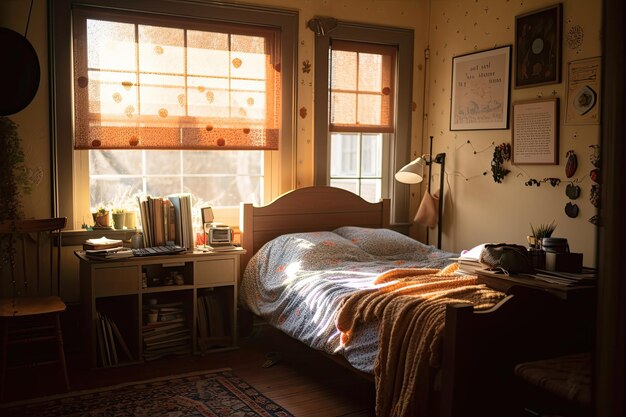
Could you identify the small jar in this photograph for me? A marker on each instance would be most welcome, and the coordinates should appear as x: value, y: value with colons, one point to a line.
x: 136, y: 241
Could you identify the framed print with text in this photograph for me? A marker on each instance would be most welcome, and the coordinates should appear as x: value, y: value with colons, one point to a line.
x: 480, y: 90
x: 536, y: 132
x: 583, y: 92
x: 538, y: 37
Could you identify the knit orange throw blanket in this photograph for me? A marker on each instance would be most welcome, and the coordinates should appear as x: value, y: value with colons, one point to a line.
x: 410, y: 305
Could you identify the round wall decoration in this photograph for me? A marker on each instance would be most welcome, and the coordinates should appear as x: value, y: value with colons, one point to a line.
x: 20, y: 73
x: 575, y: 36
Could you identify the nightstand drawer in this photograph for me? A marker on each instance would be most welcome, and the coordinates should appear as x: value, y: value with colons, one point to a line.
x: 116, y: 281
x: 221, y: 271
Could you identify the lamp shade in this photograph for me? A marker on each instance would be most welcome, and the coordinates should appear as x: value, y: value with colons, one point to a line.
x: 413, y: 172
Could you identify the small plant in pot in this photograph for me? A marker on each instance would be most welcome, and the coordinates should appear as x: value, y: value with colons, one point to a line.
x: 538, y: 233
x: 119, y: 218
x: 101, y: 218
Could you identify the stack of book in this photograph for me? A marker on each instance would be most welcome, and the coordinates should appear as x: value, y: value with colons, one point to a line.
x: 111, y: 253
x: 469, y: 262
x: 102, y: 243
x: 167, y: 220
x: 212, y: 322
x: 169, y: 335
x: 112, y: 347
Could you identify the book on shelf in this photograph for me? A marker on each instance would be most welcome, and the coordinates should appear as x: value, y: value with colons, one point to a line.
x: 211, y: 321
x: 167, y: 219
x: 109, y: 338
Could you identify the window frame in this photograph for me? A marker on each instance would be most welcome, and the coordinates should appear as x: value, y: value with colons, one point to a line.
x: 69, y: 166
x: 400, y: 146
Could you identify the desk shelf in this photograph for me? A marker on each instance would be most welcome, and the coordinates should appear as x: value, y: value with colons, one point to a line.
x: 115, y: 289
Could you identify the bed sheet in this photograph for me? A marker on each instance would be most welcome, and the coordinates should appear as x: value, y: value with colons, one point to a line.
x: 297, y: 282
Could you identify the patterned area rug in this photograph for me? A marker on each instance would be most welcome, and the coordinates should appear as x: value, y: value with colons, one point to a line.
x: 208, y: 393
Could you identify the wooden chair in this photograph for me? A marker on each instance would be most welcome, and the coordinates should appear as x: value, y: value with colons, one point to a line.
x: 30, y: 305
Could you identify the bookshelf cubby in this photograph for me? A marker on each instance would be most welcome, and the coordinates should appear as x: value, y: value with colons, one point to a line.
x: 115, y: 295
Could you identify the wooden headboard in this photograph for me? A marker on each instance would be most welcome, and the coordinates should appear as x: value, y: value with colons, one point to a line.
x: 307, y: 209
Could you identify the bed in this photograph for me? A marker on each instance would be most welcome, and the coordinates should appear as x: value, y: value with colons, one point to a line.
x: 316, y: 254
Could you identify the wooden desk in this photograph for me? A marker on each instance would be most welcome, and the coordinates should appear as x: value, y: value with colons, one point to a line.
x: 117, y: 289
x: 502, y: 282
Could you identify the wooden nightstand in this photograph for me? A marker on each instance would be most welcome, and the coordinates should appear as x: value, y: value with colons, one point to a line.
x: 193, y: 295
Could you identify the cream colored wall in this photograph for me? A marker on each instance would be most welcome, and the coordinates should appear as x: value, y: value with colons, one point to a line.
x: 33, y: 126
x: 482, y: 210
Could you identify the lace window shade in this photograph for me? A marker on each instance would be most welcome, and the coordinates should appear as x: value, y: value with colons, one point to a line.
x: 149, y: 83
x: 362, y: 87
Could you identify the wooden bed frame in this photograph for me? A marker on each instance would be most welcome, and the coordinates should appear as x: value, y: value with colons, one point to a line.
x: 473, y: 353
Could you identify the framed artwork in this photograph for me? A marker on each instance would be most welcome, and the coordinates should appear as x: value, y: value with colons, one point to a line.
x: 538, y: 37
x: 583, y: 92
x: 480, y: 90
x: 536, y: 132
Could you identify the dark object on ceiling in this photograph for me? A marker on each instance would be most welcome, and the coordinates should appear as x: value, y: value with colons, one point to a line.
x: 19, y: 72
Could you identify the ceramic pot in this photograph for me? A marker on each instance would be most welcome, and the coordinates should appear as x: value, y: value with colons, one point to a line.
x: 118, y: 220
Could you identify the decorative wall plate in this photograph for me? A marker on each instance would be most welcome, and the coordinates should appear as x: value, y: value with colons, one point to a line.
x: 571, y: 165
x: 571, y: 210
x: 572, y: 191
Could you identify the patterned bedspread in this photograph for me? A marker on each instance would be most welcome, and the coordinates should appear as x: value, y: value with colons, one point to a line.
x: 297, y: 282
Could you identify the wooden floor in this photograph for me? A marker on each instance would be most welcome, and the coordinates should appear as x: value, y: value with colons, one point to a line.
x: 303, y: 381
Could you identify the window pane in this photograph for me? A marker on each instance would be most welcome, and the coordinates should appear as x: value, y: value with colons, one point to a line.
x: 371, y: 190
x: 370, y: 72
x: 111, y: 45
x: 217, y: 178
x: 343, y: 108
x: 343, y: 70
x: 370, y: 109
x: 114, y: 162
x: 163, y: 162
x: 161, y: 50
x: 162, y: 96
x: 114, y: 193
x: 349, y: 185
x: 207, y: 53
x: 225, y: 191
x: 223, y: 162
x: 344, y: 155
x: 371, y: 155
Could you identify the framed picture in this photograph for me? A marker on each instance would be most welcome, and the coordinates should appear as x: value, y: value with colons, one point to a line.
x: 538, y: 47
x: 536, y: 132
x: 480, y: 90
x: 583, y: 92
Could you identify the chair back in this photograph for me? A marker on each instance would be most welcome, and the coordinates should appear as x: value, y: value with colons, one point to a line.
x: 30, y: 252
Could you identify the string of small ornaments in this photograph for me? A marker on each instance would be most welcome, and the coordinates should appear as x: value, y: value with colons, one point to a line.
x: 502, y: 155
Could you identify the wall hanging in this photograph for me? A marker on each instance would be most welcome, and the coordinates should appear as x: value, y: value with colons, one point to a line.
x: 480, y: 90
x: 19, y: 76
x: 571, y: 210
x: 583, y: 89
x: 538, y: 47
x: 536, y: 132
x: 571, y: 165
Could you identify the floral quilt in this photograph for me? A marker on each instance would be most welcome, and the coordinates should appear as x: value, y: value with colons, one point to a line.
x: 297, y: 282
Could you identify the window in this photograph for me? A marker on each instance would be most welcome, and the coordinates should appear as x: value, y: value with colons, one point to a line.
x: 171, y: 97
x: 362, y: 88
x: 363, y: 122
x: 356, y: 163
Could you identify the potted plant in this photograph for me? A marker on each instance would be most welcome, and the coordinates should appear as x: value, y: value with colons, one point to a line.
x: 539, y: 232
x: 119, y: 218
x: 101, y: 218
x: 537, y: 255
x: 14, y: 179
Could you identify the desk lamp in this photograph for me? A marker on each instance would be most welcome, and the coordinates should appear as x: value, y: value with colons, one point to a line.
x: 413, y: 173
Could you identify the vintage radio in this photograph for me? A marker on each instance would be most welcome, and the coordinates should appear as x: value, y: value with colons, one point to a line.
x: 220, y: 234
